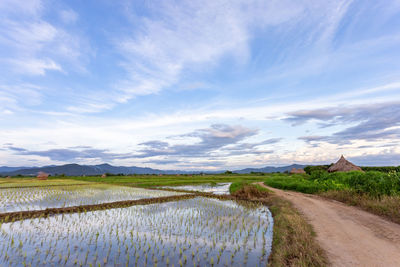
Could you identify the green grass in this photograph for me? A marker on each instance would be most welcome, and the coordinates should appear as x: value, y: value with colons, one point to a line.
x: 375, y: 184
x: 33, y: 182
x: 296, y: 183
x: 171, y: 180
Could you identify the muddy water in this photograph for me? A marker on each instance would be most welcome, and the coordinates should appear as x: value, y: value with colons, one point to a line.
x: 200, y: 231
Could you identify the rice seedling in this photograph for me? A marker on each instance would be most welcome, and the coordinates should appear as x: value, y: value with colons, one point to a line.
x: 39, y: 198
x: 198, y: 231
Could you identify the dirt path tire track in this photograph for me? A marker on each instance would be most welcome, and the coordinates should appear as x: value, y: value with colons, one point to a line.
x: 350, y: 236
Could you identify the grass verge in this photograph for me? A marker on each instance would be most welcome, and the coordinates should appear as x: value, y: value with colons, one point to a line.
x: 386, y: 206
x: 294, y: 241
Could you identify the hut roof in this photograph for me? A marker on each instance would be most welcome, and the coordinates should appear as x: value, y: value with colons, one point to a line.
x: 42, y: 176
x: 343, y: 165
x: 300, y: 171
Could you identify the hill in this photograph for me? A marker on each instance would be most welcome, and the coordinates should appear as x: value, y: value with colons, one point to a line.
x: 78, y: 170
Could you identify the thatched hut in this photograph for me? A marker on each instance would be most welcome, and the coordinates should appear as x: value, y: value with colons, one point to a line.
x: 42, y: 176
x: 343, y: 165
x: 297, y: 171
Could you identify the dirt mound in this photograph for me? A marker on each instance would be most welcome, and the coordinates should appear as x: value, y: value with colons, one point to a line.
x: 250, y: 192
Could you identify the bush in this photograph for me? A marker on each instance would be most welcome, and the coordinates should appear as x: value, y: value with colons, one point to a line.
x: 310, y: 169
x: 382, y: 169
x: 296, y: 183
x: 375, y: 184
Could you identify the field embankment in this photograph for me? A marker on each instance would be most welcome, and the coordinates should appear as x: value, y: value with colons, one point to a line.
x: 351, y: 237
x: 293, y: 242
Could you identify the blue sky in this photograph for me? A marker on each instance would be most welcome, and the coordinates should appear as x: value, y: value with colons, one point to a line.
x: 199, y: 84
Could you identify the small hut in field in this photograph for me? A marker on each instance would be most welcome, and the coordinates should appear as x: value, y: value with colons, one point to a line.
x: 103, y: 175
x: 343, y: 165
x: 42, y: 176
x: 297, y: 171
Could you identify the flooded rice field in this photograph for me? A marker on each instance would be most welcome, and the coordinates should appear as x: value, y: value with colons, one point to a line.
x: 194, y: 232
x: 218, y: 189
x: 39, y: 198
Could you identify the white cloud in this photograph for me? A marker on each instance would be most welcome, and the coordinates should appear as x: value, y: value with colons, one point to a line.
x: 192, y: 35
x: 31, y: 7
x: 35, y: 66
x: 33, y: 45
x: 7, y: 112
x: 19, y: 97
x: 68, y: 16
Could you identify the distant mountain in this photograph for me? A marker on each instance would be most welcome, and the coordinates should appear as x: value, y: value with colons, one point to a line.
x: 78, y: 170
x: 11, y: 169
x: 270, y: 169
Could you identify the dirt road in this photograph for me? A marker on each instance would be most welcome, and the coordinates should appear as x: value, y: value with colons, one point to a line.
x: 350, y: 236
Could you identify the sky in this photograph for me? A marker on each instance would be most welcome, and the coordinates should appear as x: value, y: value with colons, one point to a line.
x: 192, y: 85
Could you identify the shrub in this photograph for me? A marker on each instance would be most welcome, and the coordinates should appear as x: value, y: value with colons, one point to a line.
x: 382, y: 169
x: 310, y: 169
x: 375, y: 184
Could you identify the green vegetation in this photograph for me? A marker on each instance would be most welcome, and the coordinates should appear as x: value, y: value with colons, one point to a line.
x: 375, y: 184
x: 382, y: 169
x: 33, y: 182
x: 301, y: 183
x: 373, y: 191
x: 293, y: 242
x: 310, y: 169
x: 170, y: 180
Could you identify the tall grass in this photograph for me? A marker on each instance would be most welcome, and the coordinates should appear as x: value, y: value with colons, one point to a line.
x: 386, y: 206
x: 376, y: 192
x: 374, y: 184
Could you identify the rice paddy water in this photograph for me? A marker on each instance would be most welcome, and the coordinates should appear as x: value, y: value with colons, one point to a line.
x: 39, y: 198
x: 218, y: 189
x: 194, y: 232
